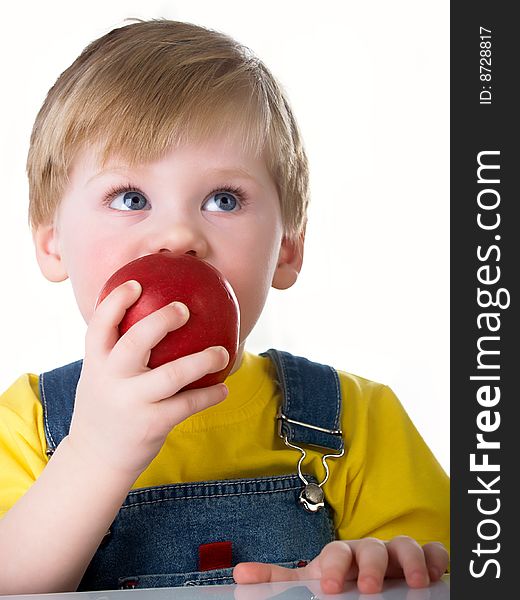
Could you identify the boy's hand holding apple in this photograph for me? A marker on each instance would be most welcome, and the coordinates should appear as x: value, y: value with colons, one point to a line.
x: 150, y: 362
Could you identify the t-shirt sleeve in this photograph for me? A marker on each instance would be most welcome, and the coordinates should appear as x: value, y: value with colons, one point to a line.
x: 394, y: 484
x: 22, y: 440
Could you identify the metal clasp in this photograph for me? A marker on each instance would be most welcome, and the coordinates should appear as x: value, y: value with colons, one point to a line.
x: 311, y: 497
x: 283, y: 418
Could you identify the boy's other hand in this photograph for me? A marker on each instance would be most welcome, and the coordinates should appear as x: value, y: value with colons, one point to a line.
x: 368, y: 560
x: 123, y: 409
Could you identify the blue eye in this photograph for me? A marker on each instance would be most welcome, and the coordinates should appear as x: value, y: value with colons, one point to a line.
x: 221, y: 201
x: 124, y: 199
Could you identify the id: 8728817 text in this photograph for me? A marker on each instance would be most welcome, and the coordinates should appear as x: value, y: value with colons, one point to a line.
x: 485, y: 66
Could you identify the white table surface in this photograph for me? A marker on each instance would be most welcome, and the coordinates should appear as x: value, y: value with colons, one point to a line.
x: 296, y: 590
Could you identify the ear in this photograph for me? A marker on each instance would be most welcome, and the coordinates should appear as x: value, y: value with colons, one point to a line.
x: 48, y: 252
x: 290, y: 262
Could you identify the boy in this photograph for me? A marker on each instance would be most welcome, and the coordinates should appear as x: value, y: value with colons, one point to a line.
x: 167, y: 137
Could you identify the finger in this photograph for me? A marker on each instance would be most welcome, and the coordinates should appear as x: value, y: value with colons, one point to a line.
x: 132, y: 352
x: 372, y: 561
x: 178, y: 408
x: 437, y: 559
x: 405, y: 552
x: 165, y: 381
x: 102, y: 332
x: 251, y: 572
x: 336, y: 565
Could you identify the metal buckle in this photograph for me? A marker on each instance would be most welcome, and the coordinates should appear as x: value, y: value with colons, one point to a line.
x: 283, y: 418
x: 312, y: 496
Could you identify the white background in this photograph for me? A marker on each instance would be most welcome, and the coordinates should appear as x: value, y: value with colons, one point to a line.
x: 368, y: 83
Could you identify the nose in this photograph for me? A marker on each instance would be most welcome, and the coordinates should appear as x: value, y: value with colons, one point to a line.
x: 179, y: 238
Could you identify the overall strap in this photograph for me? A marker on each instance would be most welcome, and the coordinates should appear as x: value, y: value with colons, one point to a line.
x: 311, y: 406
x: 310, y: 412
x: 57, y: 394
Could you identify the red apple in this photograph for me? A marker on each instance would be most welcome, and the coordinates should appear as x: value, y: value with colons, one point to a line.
x: 214, y: 313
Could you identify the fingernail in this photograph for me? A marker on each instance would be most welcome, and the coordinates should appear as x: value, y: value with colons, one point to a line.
x: 222, y: 350
x: 181, y: 308
x: 332, y: 586
x: 371, y: 583
x: 419, y: 578
x: 134, y: 285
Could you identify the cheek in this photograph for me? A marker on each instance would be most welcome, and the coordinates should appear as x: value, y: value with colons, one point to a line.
x: 251, y: 281
x: 251, y: 306
x: 88, y: 271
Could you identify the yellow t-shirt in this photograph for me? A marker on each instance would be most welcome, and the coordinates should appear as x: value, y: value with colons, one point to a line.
x: 388, y: 482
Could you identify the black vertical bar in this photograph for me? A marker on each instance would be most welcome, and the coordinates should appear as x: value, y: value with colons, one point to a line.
x: 485, y: 337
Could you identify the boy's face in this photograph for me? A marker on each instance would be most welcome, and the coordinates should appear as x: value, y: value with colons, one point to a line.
x: 189, y: 201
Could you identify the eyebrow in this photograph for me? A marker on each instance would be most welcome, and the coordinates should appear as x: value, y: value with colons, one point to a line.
x: 230, y: 172
x: 115, y: 169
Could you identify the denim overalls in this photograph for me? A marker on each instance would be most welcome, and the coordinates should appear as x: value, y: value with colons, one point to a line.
x: 156, y: 537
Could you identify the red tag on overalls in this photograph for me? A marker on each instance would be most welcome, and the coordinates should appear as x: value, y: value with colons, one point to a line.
x: 217, y: 555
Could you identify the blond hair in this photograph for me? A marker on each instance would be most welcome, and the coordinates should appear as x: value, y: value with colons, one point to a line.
x: 147, y: 87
